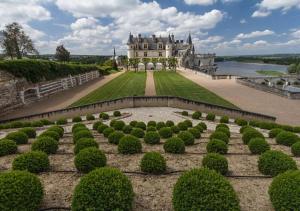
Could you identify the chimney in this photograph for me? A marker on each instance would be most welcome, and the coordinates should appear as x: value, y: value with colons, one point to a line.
x: 173, y: 38
x: 139, y: 37
x: 153, y: 38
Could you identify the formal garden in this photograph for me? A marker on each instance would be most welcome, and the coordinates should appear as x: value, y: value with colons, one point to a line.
x: 149, y: 159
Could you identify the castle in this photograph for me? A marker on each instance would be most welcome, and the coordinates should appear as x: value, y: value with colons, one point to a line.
x: 166, y: 47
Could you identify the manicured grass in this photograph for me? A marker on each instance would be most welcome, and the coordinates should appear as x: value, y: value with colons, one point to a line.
x: 127, y: 84
x: 269, y: 72
x: 173, y: 84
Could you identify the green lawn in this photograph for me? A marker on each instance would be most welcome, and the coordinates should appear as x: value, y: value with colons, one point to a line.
x: 173, y: 84
x: 127, y: 84
x: 269, y: 72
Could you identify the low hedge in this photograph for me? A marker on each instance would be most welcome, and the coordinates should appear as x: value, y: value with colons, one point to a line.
x: 175, y: 129
x: 151, y: 124
x: 275, y: 162
x: 29, y: 131
x: 18, y: 137
x: 250, y: 134
x: 170, y: 123
x: 85, y: 143
x: 62, y: 121
x: 217, y: 146
x: 174, y: 145
x: 196, y: 115
x: 20, y: 190
x: 127, y: 129
x: 210, y: 117
x: 220, y: 136
x: 103, y: 189
x: 51, y: 134
x: 160, y: 125
x: 284, y: 191
x: 115, y: 137
x: 108, y: 131
x: 7, y: 147
x: 152, y: 137
x: 217, y: 162
x: 141, y: 125
x: 153, y: 163
x: 89, y: 159
x: 295, y: 148
x: 119, y: 125
x: 204, y: 189
x: 224, y: 119
x: 258, y: 146
x: 195, y: 132
x: 129, y: 145
x: 186, y: 137
x: 34, y: 162
x: 117, y: 114
x: 137, y: 132
x: 45, y: 144
x: 82, y: 134
x: 287, y: 138
x: 182, y: 126
x: 77, y: 119
x: 165, y: 132
x: 90, y: 117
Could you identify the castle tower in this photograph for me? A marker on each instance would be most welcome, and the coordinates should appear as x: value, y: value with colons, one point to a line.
x: 169, y: 47
x: 130, y: 44
x: 189, y: 40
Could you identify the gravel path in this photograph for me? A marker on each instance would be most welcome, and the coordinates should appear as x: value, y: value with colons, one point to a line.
x: 150, y: 85
x: 287, y: 111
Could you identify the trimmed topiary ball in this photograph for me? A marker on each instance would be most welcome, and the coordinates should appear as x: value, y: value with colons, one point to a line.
x: 45, y: 144
x: 103, y: 189
x: 224, y: 119
x: 222, y: 125
x: 258, y: 145
x: 7, y: 147
x: 82, y: 134
x: 175, y: 129
x: 153, y: 163
x: 138, y: 132
x: 204, y: 189
x: 151, y: 124
x: 203, y: 125
x: 112, y: 122
x: 184, y: 113
x: 141, y: 125
x: 224, y: 130
x: 195, y: 133
x: 152, y: 137
x: 129, y: 145
x: 182, y: 126
x: 169, y: 123
x: 151, y: 128
x: 165, y: 132
x: 77, y: 125
x: 133, y: 123
x: 245, y: 128
x: 275, y: 162
x: 287, y: 138
x: 119, y: 125
x: 20, y: 190
x: 104, y: 116
x: 220, y: 136
x: 101, y: 128
x: 117, y: 113
x: 115, y: 137
x: 199, y: 128
x: 189, y: 123
x: 62, y: 121
x: 108, y: 131
x: 96, y: 125
x: 284, y: 191
x: 217, y: 162
x: 210, y: 117
x: 37, y: 124
x: 51, y: 134
x: 296, y: 149
x: 274, y: 132
x: 217, y: 146
x: 34, y: 162
x: 77, y: 119
x: 29, y: 131
x: 90, y: 117
x: 160, y: 125
x: 85, y: 143
x: 196, y: 115
x: 296, y: 129
x: 89, y: 159
x: 187, y: 138
x: 174, y: 145
x: 18, y: 137
x: 81, y: 128
x: 250, y: 134
x: 60, y: 130
x: 127, y: 129
x: 241, y: 122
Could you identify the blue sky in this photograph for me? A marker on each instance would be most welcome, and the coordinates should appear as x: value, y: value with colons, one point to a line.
x: 226, y: 27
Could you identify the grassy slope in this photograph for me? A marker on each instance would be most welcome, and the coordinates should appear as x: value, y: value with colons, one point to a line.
x: 127, y: 84
x: 269, y: 72
x: 173, y: 84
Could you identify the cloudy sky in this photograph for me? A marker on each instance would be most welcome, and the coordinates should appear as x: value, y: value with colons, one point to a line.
x: 227, y: 27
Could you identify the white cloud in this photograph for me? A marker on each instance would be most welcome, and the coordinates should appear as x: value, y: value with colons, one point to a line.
x: 255, y: 34
x: 243, y: 21
x: 200, y: 2
x: 261, y: 14
x: 296, y: 34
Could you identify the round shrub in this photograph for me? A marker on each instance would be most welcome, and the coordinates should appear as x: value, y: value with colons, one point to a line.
x: 165, y: 132
x: 169, y: 123
x: 108, y: 131
x: 224, y: 130
x: 127, y: 129
x: 196, y: 115
x: 151, y: 128
x: 85, y: 143
x: 104, y: 116
x: 129, y: 145
x: 90, y: 117
x: 89, y: 159
x: 184, y: 113
x: 18, y: 137
x: 220, y: 136
x: 210, y: 117
x: 188, y: 123
x: 81, y: 128
x: 267, y: 125
x: 37, y: 124
x: 82, y: 134
x: 60, y: 130
x: 103, y: 189
x: 117, y: 113
x: 29, y: 131
x: 274, y: 132
x: 182, y: 126
x: 245, y: 128
x: 76, y: 119
x: 112, y: 122
x: 96, y: 125
x: 174, y: 145
x: 78, y: 125
x: 275, y: 162
x: 153, y: 163
x: 152, y: 137
x: 151, y: 124
x: 133, y: 123
x: 222, y: 125
x: 295, y: 148
x: 141, y: 125
x: 241, y: 122
x: 119, y: 125
x: 287, y: 138
x: 186, y: 137
x: 217, y: 146
x: 175, y: 129
x: 204, y: 189
x: 195, y: 133
x: 34, y: 162
x: 45, y: 144
x: 284, y: 191
x: 199, y: 128
x: 254, y: 123
x: 217, y: 162
x: 20, y: 190
x: 258, y: 145
x: 7, y: 147
x: 101, y: 128
x: 115, y: 137
x: 138, y: 132
x: 160, y: 125
x: 51, y: 134
x: 62, y: 121
x: 203, y: 125
x: 224, y: 119
x: 250, y: 134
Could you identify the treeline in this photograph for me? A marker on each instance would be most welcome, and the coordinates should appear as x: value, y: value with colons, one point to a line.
x: 266, y: 60
x: 35, y: 71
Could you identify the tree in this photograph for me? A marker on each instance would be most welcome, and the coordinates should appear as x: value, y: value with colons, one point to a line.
x: 125, y: 62
x: 163, y: 61
x: 62, y: 54
x: 146, y: 61
x: 292, y: 69
x: 15, y: 42
x: 154, y: 61
x: 134, y: 62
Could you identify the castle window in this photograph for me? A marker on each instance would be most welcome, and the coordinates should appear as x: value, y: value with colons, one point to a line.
x: 160, y: 54
x: 160, y: 46
x: 145, y: 46
x: 136, y: 54
x: 145, y: 54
